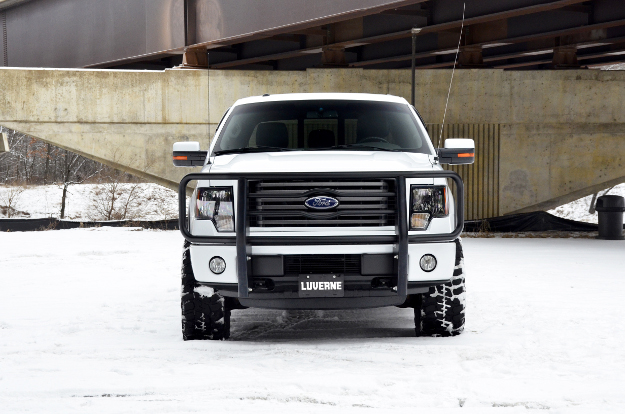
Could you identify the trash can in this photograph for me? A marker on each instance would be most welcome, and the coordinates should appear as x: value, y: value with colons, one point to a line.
x: 610, y: 209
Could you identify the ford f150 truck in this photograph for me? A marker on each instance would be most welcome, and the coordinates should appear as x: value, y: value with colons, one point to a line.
x: 322, y: 201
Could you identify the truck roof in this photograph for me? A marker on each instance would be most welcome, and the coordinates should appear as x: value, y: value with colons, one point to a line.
x: 318, y: 96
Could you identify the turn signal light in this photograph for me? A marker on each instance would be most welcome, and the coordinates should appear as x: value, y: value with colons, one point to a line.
x: 419, y: 221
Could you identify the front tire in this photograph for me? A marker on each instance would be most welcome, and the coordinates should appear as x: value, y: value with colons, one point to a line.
x: 204, y: 312
x: 441, y: 311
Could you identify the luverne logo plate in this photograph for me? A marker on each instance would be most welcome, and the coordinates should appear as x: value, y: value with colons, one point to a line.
x: 321, y: 286
x: 321, y: 203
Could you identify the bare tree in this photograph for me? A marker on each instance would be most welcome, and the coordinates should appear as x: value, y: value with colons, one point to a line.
x: 73, y: 173
x: 9, y: 197
x: 162, y: 204
x: 116, y: 199
x: 31, y: 161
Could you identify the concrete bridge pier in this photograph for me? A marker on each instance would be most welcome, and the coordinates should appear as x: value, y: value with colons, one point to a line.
x: 543, y: 138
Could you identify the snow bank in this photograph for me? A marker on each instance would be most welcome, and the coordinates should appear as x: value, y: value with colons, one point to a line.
x: 156, y: 202
x: 578, y: 210
x: 90, y: 322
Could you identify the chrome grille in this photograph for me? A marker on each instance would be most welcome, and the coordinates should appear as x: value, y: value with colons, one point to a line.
x: 279, y: 203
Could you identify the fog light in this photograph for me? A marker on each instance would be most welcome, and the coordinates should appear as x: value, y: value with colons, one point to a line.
x: 428, y: 263
x: 217, y: 265
x: 419, y: 221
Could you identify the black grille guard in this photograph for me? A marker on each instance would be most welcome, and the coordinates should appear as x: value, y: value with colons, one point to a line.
x: 243, y: 240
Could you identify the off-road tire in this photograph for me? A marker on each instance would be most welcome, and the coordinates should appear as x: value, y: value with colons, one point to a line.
x: 441, y: 311
x: 204, y: 313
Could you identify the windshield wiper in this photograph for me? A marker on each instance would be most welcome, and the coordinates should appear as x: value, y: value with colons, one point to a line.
x: 359, y: 146
x: 260, y: 148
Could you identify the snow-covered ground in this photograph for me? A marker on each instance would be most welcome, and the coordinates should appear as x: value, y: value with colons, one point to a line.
x: 159, y: 203
x: 90, y: 323
x: 578, y: 210
x: 152, y: 202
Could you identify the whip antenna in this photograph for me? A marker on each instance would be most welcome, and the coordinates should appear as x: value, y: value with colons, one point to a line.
x: 464, y: 6
x: 208, y: 101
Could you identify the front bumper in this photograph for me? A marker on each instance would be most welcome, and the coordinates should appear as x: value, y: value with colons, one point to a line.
x: 239, y: 281
x: 276, y: 281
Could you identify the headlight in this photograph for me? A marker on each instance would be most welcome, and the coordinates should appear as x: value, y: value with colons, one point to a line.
x: 427, y: 203
x: 216, y: 204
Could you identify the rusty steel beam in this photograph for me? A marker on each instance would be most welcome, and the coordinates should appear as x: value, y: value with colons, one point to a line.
x: 302, y: 27
x: 419, y: 13
x: 524, y: 64
x: 614, y: 52
x: 503, y: 41
x: 406, y: 33
x: 535, y: 52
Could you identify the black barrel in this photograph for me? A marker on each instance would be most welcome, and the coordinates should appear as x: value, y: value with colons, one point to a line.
x: 610, y: 209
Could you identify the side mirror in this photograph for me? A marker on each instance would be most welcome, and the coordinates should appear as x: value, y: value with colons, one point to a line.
x: 188, y: 154
x: 457, y: 151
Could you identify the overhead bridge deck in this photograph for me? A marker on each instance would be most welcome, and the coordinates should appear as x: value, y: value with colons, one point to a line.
x: 250, y: 34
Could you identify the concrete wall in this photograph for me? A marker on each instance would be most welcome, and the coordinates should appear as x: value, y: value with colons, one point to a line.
x: 562, y: 133
x: 126, y: 119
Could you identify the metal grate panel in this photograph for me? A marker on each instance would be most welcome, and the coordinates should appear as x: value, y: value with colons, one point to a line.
x: 481, y: 179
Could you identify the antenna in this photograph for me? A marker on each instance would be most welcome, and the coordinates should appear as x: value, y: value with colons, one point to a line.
x: 415, y: 31
x: 208, y: 100
x: 464, y: 6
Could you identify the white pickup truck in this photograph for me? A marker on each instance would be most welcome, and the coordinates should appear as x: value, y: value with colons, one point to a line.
x: 322, y: 201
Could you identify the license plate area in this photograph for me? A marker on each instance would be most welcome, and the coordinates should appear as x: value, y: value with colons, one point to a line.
x: 321, y: 286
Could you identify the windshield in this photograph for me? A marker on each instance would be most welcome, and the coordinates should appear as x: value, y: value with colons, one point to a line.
x: 321, y: 125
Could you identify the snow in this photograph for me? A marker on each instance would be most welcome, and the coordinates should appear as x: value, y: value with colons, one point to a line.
x: 204, y: 291
x: 90, y: 322
x: 155, y: 202
x: 578, y: 210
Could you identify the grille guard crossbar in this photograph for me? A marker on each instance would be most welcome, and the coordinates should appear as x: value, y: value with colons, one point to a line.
x: 243, y: 240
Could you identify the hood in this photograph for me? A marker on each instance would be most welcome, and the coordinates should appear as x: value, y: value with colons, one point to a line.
x: 320, y: 161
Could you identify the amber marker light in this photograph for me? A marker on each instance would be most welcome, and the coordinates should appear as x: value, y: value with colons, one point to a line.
x: 180, y: 157
x: 466, y: 155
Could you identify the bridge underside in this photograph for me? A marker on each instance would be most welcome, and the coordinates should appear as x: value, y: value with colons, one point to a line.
x: 543, y: 138
x: 301, y: 34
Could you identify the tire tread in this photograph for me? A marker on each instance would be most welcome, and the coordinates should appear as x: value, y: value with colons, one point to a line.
x: 203, y: 317
x: 442, y: 310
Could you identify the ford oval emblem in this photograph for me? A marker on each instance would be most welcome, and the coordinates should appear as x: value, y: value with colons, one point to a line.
x: 321, y: 203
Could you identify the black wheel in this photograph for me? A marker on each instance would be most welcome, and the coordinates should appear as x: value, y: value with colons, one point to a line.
x: 441, y: 311
x: 204, y: 312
